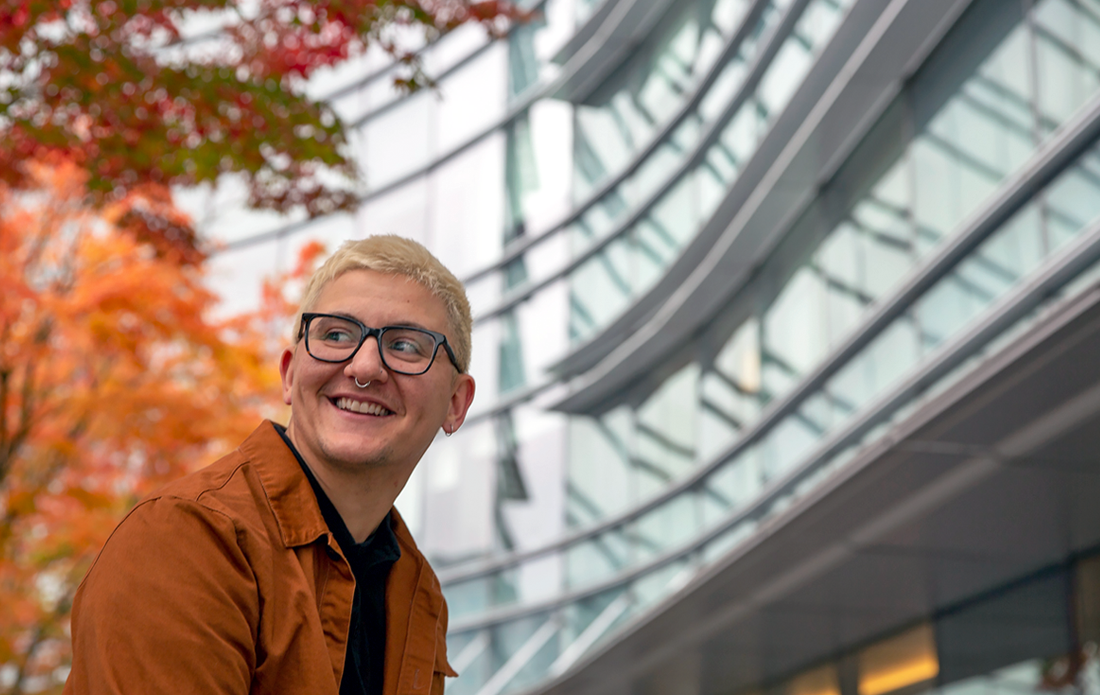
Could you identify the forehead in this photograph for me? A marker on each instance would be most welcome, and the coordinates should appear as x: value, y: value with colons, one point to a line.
x: 379, y: 299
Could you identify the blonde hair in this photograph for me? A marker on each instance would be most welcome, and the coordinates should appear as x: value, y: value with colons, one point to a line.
x: 399, y: 256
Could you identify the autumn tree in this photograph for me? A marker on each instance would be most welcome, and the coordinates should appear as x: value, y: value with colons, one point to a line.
x: 124, y: 88
x: 114, y: 375
x: 114, y: 378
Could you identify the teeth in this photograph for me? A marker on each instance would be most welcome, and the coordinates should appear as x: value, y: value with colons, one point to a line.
x: 360, y: 407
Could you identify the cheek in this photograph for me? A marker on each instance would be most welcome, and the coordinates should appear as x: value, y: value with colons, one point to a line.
x: 301, y: 380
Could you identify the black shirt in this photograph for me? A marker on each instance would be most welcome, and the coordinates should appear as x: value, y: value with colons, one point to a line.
x: 370, y: 563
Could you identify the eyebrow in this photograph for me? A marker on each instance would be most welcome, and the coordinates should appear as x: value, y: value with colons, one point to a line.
x: 406, y: 324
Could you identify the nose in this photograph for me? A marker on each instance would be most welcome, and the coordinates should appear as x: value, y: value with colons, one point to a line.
x: 366, y: 364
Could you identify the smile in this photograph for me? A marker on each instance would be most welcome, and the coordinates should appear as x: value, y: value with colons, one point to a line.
x: 360, y: 407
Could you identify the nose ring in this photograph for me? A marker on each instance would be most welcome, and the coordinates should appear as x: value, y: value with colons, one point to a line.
x: 362, y: 386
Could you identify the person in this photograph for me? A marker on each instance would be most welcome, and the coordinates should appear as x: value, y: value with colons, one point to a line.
x: 283, y: 567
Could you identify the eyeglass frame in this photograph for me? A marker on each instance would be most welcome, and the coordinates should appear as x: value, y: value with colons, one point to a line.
x: 440, y: 339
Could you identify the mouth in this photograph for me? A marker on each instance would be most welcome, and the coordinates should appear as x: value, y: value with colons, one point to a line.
x: 361, y: 407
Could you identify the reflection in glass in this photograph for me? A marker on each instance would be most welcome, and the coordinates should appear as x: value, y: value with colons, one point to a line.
x: 898, y: 662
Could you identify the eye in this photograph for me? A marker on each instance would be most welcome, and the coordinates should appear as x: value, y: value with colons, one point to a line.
x: 336, y: 335
x: 408, y: 343
x: 405, y: 345
x: 332, y: 330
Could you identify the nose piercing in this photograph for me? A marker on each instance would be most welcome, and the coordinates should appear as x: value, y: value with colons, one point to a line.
x: 362, y: 386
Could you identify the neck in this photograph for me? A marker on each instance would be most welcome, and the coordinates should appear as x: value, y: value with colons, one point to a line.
x: 362, y: 494
x: 362, y: 501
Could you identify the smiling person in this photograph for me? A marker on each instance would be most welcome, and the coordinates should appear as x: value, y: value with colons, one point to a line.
x: 283, y: 567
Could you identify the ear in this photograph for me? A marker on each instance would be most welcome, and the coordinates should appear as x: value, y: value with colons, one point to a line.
x: 462, y: 395
x: 286, y: 372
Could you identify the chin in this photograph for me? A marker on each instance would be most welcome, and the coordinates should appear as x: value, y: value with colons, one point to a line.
x: 356, y: 455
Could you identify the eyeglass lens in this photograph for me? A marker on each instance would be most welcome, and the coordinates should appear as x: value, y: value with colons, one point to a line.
x: 335, y: 339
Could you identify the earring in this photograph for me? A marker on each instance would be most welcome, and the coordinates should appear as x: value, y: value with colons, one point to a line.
x: 447, y: 433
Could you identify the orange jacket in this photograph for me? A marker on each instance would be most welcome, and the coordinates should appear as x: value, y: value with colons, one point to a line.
x: 229, y: 581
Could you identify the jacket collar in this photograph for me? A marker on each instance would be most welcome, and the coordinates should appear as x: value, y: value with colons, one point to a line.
x: 415, y: 610
x: 292, y: 499
x: 288, y: 490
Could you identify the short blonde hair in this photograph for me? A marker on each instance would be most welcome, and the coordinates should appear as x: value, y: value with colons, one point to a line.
x: 398, y: 256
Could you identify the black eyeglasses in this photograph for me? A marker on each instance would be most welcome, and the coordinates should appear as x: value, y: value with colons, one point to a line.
x: 403, y: 349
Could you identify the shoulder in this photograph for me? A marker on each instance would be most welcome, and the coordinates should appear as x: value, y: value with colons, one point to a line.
x: 234, y: 485
x: 171, y: 536
x: 222, y: 506
x: 173, y: 578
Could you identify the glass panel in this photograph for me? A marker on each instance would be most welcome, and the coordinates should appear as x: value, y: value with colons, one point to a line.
x: 794, y: 332
x: 645, y: 93
x: 405, y: 209
x: 893, y: 354
x: 597, y: 559
x: 459, y: 494
x: 850, y: 388
x: 838, y: 262
x: 653, y: 249
x: 718, y: 425
x: 509, y: 637
x: 723, y: 89
x: 453, y: 47
x: 784, y: 75
x: 945, y: 309
x: 466, y: 227
x: 730, y: 392
x: 1073, y: 201
x: 820, y: 681
x: 723, y: 544
x: 600, y: 453
x: 600, y: 290
x: 660, y: 583
x: 394, y: 143
x: 786, y: 445
x: 665, y: 432
x: 898, y: 662
x: 667, y: 527
x: 549, y: 635
x: 513, y: 375
x: 579, y: 615
x: 727, y: 14
x: 469, y: 597
x: 543, y: 322
x: 523, y: 63
x: 731, y: 486
x: 675, y: 217
x: 538, y: 167
x: 1013, y: 252
x: 473, y: 661
x: 539, y: 518
x: 885, y: 242
x: 1067, y: 38
x: 473, y: 98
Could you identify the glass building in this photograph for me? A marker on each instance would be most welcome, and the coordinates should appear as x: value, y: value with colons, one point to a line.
x: 787, y: 324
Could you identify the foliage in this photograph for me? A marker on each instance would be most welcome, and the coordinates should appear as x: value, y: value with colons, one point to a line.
x: 118, y: 87
x: 114, y: 378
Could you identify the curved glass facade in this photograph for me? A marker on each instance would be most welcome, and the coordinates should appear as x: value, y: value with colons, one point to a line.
x: 933, y: 228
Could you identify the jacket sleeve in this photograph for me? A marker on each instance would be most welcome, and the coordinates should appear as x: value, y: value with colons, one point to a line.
x: 170, y: 605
